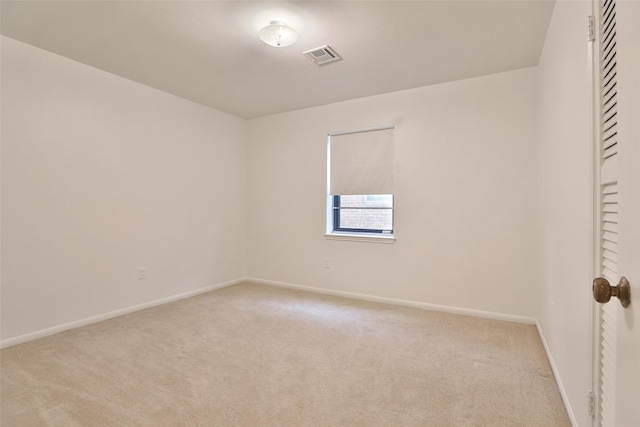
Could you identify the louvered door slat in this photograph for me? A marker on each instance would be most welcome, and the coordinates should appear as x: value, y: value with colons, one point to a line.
x: 611, y: 237
x: 609, y: 246
x: 609, y: 275
x: 612, y: 256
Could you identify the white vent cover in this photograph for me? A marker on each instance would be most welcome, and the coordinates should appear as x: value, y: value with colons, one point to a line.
x: 322, y: 55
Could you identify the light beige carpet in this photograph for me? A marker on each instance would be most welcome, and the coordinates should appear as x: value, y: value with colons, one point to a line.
x: 252, y: 355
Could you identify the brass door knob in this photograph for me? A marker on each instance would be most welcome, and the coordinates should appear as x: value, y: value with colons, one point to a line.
x: 603, y: 291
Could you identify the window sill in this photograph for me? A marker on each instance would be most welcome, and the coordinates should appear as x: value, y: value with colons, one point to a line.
x: 356, y: 237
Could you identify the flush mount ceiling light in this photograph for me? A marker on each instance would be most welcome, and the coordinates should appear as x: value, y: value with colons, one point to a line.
x: 278, y: 34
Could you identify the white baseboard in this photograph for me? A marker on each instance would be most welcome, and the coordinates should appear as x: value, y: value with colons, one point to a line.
x: 556, y: 375
x: 99, y: 318
x: 405, y: 303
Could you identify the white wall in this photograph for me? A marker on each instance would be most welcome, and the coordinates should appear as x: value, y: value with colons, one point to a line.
x: 101, y: 176
x: 565, y: 201
x: 465, y: 197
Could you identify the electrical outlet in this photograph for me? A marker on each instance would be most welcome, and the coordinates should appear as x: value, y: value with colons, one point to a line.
x: 142, y: 274
x: 326, y: 263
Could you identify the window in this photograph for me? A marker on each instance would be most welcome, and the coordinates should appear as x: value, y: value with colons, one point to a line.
x: 371, y: 213
x: 360, y: 198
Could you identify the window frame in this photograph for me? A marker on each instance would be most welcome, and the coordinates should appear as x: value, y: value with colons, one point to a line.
x: 355, y: 235
x: 336, y: 218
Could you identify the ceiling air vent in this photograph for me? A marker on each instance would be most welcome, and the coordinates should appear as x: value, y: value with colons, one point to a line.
x: 322, y: 55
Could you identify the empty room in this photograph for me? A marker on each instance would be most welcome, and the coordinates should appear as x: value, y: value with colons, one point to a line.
x: 320, y: 213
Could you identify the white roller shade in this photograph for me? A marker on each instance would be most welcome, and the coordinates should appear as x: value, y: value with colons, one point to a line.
x: 362, y: 162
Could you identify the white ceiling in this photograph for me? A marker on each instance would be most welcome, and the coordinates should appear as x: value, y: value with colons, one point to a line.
x: 209, y: 51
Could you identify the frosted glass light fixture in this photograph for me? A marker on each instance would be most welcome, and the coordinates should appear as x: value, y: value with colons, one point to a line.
x: 278, y: 34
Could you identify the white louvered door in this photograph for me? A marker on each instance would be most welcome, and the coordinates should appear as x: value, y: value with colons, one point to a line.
x: 617, y: 192
x: 607, y: 84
